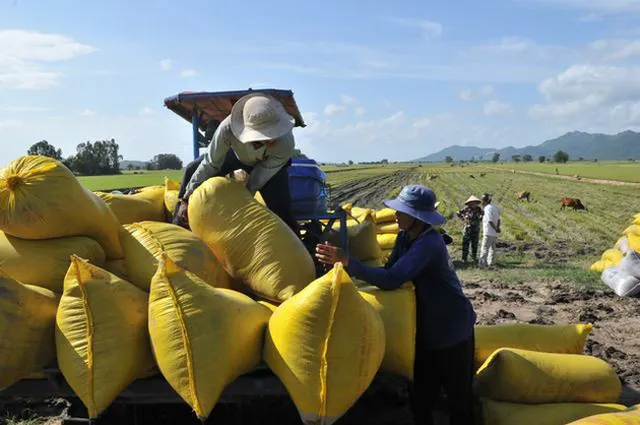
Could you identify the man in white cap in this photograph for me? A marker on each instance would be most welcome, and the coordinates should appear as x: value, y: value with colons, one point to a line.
x: 256, y: 137
x: 471, y: 214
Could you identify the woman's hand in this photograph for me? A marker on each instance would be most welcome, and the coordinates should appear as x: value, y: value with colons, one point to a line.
x: 329, y: 254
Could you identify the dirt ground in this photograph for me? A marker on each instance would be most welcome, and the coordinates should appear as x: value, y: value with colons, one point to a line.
x: 371, y: 191
x: 615, y: 320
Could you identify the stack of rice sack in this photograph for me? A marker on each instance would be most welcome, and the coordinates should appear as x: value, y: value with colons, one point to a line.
x: 630, y: 240
x: 361, y: 232
x: 151, y: 203
x: 620, y: 266
x: 630, y: 416
x: 384, y: 226
x: 539, y: 374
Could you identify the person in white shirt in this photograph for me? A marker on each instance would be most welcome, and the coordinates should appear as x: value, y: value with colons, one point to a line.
x: 256, y: 137
x: 490, y: 230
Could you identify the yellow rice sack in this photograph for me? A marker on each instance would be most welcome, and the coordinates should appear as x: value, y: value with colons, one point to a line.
x: 634, y: 229
x: 153, y: 194
x: 203, y: 338
x: 522, y: 376
x: 387, y: 228
x: 612, y: 255
x: 171, y: 190
x: 27, y: 326
x: 45, y: 263
x: 600, y: 266
x: 499, y: 413
x: 361, y: 214
x: 131, y: 209
x: 250, y: 241
x: 398, y: 312
x: 41, y: 199
x: 363, y: 244
x: 101, y: 336
x: 568, y: 339
x: 325, y: 344
x: 118, y: 268
x: 631, y: 416
x: 385, y: 215
x: 376, y: 262
x: 387, y: 240
x: 143, y: 243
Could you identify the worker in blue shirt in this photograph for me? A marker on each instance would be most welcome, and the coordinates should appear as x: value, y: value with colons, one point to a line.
x: 444, y: 350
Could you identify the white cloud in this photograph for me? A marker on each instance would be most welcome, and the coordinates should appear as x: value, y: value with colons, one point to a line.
x: 7, y: 124
x: 348, y: 100
x: 333, y: 109
x: 146, y: 111
x: 590, y: 17
x: 165, y: 64
x: 361, y: 112
x: 428, y: 28
x: 24, y: 108
x: 496, y: 107
x: 24, y: 56
x: 591, y: 95
x: 615, y: 50
x: 87, y: 113
x: 604, y: 6
x: 468, y: 95
x: 187, y: 73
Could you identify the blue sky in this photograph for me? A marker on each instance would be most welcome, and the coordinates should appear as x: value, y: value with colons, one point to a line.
x: 374, y: 79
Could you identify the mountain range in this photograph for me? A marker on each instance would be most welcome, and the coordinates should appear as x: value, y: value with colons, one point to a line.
x: 577, y: 144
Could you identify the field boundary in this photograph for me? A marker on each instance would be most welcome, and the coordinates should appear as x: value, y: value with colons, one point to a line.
x: 583, y: 179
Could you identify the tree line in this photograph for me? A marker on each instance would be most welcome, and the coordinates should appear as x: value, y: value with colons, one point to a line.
x: 560, y: 157
x: 101, y: 157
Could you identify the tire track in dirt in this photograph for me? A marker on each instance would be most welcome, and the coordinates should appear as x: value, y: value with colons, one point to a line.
x: 370, y: 192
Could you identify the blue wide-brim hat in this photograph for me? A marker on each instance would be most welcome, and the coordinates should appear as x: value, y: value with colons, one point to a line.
x: 419, y: 202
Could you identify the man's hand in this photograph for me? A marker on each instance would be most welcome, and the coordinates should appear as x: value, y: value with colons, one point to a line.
x: 183, y: 212
x: 329, y: 254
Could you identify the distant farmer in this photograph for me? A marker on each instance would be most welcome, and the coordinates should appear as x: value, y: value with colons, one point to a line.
x: 256, y: 137
x: 490, y: 230
x: 471, y: 214
x: 444, y: 349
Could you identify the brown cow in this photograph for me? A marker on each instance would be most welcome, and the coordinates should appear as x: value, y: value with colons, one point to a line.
x: 483, y: 174
x: 572, y: 203
x: 524, y: 195
x: 433, y: 176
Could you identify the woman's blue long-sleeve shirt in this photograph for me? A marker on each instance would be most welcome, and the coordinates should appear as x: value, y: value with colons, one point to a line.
x: 445, y: 315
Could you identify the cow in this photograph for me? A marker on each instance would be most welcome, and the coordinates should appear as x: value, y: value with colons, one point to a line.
x: 524, y: 195
x: 472, y: 176
x: 432, y: 176
x: 483, y: 174
x: 572, y: 203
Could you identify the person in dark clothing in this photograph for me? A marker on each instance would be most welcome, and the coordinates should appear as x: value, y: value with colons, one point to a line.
x: 256, y: 137
x: 471, y: 214
x: 444, y: 350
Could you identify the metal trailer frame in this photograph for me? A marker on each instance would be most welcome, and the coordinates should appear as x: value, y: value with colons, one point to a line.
x: 156, y: 390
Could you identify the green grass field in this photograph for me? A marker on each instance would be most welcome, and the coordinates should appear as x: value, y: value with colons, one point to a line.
x: 543, y: 242
x: 128, y: 179
x: 622, y: 171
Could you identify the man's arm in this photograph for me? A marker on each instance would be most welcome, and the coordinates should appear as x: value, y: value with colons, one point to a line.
x: 213, y: 159
x: 278, y: 158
